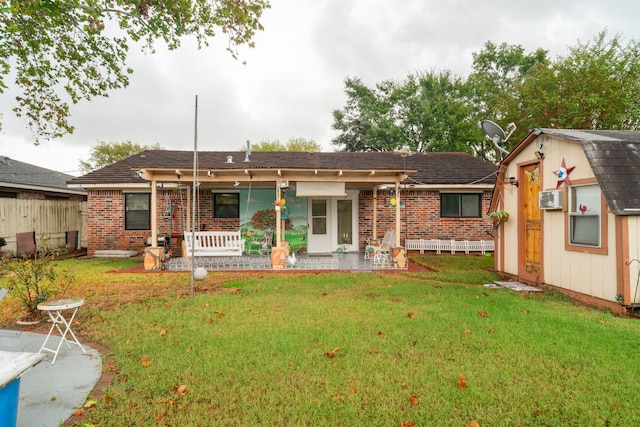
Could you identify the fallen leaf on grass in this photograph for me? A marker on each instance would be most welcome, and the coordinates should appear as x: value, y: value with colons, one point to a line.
x: 332, y: 354
x: 219, y: 314
x: 474, y: 423
x: 462, y: 382
x: 167, y: 304
x: 78, y: 412
x: 236, y: 291
x: 467, y: 332
x: 145, y: 362
x: 492, y: 331
x: 163, y: 332
x: 380, y: 333
x: 411, y: 315
x: 408, y: 424
x: 352, y: 389
x: 90, y: 403
x: 414, y: 400
x: 482, y: 313
x: 181, y: 389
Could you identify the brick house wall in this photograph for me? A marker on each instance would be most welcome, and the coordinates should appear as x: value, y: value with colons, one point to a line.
x: 420, y: 218
x: 105, y: 226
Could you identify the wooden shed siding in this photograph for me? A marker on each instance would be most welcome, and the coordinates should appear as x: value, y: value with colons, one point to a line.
x: 589, y: 274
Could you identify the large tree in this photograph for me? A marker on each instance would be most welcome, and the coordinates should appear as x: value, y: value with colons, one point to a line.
x: 103, y: 154
x: 425, y: 112
x: 493, y: 88
x: 595, y: 86
x: 63, y: 51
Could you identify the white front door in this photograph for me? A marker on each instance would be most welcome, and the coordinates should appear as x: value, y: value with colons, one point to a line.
x: 333, y: 223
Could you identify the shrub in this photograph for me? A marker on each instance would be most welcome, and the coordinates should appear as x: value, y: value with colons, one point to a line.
x: 37, y: 279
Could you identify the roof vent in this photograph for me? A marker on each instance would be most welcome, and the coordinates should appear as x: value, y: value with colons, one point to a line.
x: 229, y: 159
x: 247, y: 153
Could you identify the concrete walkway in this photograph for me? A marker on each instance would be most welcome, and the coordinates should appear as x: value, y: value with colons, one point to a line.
x: 49, y: 394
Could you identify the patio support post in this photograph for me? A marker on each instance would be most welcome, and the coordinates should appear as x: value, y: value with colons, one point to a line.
x: 398, y: 205
x: 374, y: 228
x: 278, y: 225
x: 154, y: 213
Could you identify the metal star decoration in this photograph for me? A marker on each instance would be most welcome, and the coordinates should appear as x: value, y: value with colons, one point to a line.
x: 563, y: 174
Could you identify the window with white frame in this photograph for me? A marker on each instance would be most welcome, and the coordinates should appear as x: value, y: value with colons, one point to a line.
x: 584, y: 216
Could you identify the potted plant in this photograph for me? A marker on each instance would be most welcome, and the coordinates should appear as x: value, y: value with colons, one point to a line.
x: 498, y: 217
x: 34, y: 280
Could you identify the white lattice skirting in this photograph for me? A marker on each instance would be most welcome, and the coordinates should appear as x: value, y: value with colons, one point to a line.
x: 453, y: 246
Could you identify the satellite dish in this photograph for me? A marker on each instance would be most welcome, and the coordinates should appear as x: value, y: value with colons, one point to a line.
x: 496, y: 134
x: 493, y: 131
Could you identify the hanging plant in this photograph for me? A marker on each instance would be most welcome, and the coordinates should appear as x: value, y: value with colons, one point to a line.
x: 498, y: 216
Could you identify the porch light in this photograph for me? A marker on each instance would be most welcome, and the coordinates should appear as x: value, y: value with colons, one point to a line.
x: 539, y: 155
x: 512, y: 180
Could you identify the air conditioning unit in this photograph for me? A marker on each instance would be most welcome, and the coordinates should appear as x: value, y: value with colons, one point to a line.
x: 551, y: 199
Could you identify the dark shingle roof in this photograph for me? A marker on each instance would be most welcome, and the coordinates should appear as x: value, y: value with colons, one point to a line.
x: 432, y: 168
x: 24, y: 174
x: 614, y: 157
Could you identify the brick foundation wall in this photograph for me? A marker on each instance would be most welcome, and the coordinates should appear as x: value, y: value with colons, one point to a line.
x: 420, y: 218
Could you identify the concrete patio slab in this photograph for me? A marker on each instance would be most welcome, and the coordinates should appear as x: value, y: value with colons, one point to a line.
x: 49, y: 394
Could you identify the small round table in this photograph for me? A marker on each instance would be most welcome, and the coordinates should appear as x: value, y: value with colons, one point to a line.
x: 55, y: 311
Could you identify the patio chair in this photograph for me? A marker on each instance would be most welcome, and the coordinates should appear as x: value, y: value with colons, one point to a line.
x: 373, y: 251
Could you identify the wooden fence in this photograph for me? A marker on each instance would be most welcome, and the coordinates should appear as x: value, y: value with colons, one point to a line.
x: 50, y: 219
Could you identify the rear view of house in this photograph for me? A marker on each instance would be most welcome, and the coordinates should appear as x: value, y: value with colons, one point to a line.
x: 317, y: 202
x: 574, y: 202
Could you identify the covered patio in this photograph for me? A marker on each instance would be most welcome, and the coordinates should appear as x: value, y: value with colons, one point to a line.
x: 329, y: 241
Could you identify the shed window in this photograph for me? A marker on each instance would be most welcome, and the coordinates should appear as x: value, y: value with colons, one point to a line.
x: 584, y: 216
x: 460, y: 205
x: 137, y: 211
x: 226, y: 205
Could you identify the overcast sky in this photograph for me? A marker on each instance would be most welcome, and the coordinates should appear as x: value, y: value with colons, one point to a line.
x: 294, y: 78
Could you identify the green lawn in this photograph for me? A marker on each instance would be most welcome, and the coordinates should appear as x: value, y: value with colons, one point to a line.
x: 339, y: 349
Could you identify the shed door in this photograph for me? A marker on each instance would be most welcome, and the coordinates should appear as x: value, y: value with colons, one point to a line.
x: 531, y: 267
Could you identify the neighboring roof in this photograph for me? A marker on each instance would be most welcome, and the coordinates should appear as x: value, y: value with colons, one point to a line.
x: 614, y: 156
x: 423, y: 168
x: 16, y: 174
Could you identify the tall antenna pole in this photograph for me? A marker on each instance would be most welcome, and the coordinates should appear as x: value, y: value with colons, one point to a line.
x: 193, y: 200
